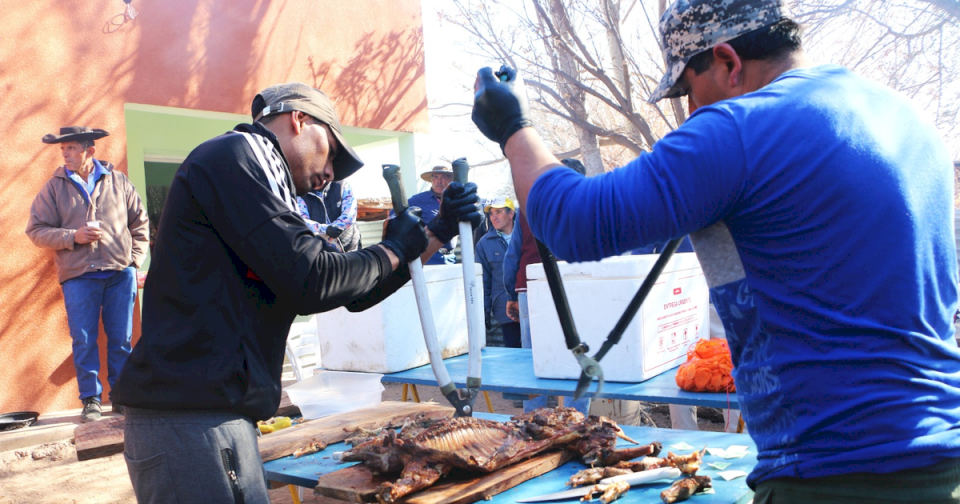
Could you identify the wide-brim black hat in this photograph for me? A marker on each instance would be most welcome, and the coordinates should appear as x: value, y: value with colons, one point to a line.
x: 74, y: 134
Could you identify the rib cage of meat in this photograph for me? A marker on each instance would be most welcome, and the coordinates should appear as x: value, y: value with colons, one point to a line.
x: 425, y: 454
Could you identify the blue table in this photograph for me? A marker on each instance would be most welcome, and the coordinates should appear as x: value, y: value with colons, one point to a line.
x: 305, y: 470
x: 511, y: 370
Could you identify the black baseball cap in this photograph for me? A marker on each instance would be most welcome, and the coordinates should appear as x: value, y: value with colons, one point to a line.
x: 297, y: 96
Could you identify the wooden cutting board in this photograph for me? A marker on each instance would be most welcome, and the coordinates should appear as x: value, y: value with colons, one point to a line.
x: 331, y: 429
x: 358, y: 484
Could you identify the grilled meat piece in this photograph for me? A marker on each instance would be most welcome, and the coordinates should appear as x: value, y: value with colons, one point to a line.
x: 595, y: 474
x: 688, y: 464
x: 611, y: 492
x: 314, y: 447
x: 644, y: 464
x: 682, y: 489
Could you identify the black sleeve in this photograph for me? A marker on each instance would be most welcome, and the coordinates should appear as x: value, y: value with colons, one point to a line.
x: 383, y: 290
x: 274, y: 241
x: 307, y: 275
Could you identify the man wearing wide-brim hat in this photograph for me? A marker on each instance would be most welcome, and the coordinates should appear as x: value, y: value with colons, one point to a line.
x: 92, y: 217
x: 429, y: 201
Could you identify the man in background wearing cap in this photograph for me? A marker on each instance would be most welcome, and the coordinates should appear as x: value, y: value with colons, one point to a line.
x: 819, y: 204
x: 429, y: 201
x: 232, y: 265
x: 490, y: 251
x: 92, y: 216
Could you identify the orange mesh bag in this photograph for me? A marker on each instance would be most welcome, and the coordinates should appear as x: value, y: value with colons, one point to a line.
x: 708, y: 368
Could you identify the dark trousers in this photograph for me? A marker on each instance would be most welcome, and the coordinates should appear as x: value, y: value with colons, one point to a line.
x: 186, y: 457
x: 511, y: 335
x: 939, y: 483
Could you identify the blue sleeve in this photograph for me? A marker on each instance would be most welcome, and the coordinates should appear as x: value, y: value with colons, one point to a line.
x: 691, y: 179
x: 511, y: 260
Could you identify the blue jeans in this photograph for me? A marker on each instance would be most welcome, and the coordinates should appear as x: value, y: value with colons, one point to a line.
x: 85, y: 298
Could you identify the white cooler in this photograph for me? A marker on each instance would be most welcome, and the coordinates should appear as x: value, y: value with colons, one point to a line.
x: 388, y: 338
x: 672, y: 318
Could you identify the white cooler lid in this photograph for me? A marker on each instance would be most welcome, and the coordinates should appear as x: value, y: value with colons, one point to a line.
x: 632, y: 266
x: 444, y: 272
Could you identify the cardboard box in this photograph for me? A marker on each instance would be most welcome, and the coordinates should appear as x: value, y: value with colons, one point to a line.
x: 672, y: 318
x: 388, y: 338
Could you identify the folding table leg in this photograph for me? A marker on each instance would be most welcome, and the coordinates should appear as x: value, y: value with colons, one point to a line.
x: 403, y: 392
x: 416, y: 396
x: 486, y: 397
x: 293, y: 494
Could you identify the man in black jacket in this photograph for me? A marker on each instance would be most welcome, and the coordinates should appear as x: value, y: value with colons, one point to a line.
x: 232, y: 265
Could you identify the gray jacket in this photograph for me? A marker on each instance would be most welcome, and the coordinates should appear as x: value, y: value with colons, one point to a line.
x: 61, y: 208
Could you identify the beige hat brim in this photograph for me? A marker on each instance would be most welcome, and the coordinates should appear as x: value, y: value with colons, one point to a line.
x: 428, y: 176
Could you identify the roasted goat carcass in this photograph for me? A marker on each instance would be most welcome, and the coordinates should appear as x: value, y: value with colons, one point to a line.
x: 425, y: 454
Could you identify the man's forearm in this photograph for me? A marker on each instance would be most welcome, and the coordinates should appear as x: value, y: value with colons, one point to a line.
x: 433, y: 245
x: 529, y: 158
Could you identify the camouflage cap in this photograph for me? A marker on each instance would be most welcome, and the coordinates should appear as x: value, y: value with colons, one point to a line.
x: 689, y: 27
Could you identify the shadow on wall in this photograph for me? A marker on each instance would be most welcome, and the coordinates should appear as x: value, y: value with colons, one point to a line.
x: 38, y: 317
x: 173, y: 54
x: 381, y: 72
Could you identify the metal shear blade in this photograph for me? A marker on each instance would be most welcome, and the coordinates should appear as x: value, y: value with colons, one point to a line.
x: 591, y: 369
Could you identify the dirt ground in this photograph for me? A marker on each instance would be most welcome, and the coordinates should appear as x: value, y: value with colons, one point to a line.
x: 52, y: 473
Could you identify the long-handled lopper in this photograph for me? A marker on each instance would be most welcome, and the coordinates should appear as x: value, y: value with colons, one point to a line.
x: 591, y: 366
x: 463, y: 406
x: 476, y: 332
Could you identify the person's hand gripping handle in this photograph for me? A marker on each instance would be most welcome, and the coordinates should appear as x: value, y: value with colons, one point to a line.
x: 476, y: 333
x: 391, y: 174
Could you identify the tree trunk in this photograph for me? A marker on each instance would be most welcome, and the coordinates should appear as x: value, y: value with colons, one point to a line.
x: 589, y: 147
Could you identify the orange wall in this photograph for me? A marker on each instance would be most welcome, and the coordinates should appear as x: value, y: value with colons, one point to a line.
x: 77, y: 63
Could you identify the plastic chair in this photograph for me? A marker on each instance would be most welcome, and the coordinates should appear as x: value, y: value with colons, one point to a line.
x: 303, y: 348
x: 303, y: 353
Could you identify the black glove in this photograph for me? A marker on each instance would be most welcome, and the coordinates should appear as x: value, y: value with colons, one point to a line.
x: 487, y: 320
x: 500, y: 108
x: 333, y: 231
x: 459, y: 203
x: 405, y: 236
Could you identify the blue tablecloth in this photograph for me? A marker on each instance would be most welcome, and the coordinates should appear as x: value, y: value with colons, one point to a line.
x: 305, y: 470
x: 511, y: 370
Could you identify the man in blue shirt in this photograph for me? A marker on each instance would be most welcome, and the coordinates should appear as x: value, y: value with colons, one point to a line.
x: 820, y: 206
x: 429, y: 202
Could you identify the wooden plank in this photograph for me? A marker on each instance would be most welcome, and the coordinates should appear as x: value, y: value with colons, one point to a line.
x: 105, y: 437
x: 99, y: 439
x: 358, y: 484
x: 352, y: 484
x: 331, y: 429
